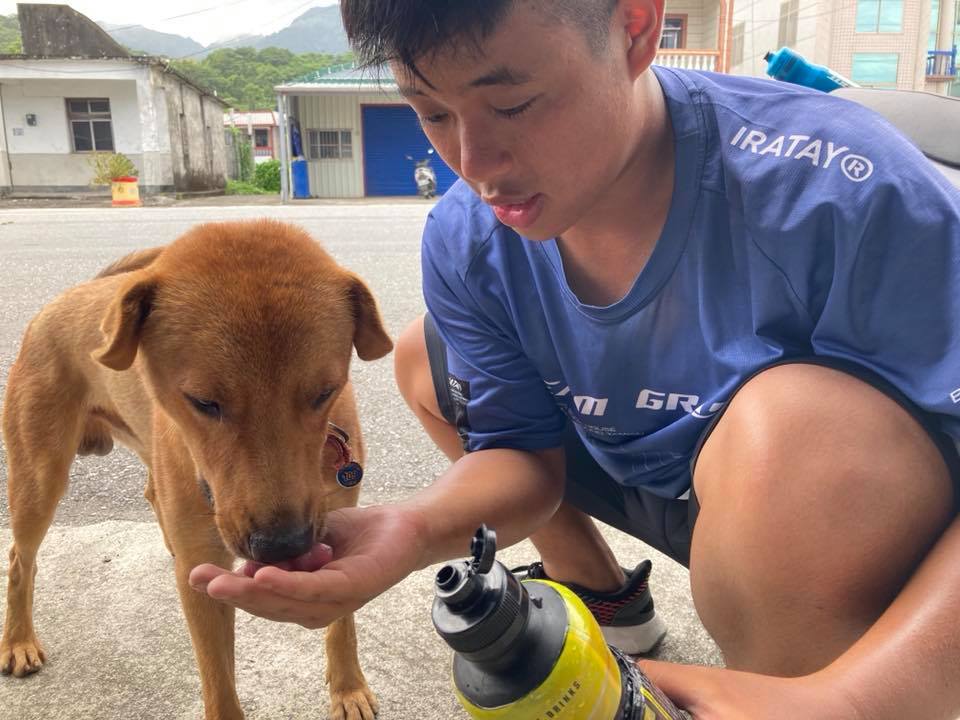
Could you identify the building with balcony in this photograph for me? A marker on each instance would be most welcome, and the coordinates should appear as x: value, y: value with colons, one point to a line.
x: 696, y: 35
x: 903, y: 44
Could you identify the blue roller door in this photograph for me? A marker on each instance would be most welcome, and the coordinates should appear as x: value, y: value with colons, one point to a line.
x: 390, y: 133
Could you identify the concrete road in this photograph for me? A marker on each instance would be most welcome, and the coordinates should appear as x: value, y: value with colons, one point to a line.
x: 106, y: 606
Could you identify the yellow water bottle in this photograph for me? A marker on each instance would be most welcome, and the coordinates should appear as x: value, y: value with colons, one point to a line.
x: 532, y: 650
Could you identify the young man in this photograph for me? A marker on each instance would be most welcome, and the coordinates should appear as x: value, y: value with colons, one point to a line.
x: 722, y: 314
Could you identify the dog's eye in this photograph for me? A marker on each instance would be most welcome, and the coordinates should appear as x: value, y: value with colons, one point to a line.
x: 210, y: 408
x: 320, y: 399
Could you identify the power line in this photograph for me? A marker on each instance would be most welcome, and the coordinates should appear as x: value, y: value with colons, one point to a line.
x: 270, y: 22
x: 182, y: 15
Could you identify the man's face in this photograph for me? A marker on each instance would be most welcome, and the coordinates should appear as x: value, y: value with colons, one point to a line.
x: 536, y: 123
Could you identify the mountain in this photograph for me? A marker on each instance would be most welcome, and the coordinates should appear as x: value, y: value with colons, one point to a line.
x: 238, y: 41
x: 153, y: 42
x: 318, y: 30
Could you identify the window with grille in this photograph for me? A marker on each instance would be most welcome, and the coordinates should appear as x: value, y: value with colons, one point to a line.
x: 330, y: 144
x: 90, y: 124
x: 674, y: 35
x: 879, y: 16
x: 787, y: 35
x: 261, y: 137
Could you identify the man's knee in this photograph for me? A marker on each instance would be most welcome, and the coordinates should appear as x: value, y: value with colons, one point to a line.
x: 805, y: 431
x: 819, y: 497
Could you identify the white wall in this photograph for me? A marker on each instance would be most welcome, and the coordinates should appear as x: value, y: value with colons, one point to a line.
x: 42, y: 155
x: 762, y: 27
x: 155, y: 118
x: 47, y: 100
x: 40, y: 86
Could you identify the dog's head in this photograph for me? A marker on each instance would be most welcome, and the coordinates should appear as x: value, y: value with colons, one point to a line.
x: 244, y: 333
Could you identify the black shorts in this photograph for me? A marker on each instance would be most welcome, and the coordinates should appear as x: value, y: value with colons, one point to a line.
x: 662, y: 523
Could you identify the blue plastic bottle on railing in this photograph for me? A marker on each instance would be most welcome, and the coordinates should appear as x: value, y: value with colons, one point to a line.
x: 790, y: 66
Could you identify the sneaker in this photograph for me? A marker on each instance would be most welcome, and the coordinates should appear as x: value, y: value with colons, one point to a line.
x: 626, y: 617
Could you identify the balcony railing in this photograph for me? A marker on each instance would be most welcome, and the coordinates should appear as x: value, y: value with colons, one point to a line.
x: 942, y: 63
x: 689, y: 59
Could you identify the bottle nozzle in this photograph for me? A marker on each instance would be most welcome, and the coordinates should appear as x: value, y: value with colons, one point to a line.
x: 459, y: 584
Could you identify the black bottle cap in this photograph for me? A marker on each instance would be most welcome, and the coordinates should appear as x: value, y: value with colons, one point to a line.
x: 479, y: 607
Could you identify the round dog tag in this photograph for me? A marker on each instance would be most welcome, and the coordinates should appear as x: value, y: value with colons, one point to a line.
x: 350, y: 475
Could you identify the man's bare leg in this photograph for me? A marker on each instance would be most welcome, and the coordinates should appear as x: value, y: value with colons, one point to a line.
x: 819, y: 497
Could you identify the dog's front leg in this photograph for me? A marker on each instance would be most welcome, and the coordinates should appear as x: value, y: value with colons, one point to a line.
x: 193, y: 539
x: 350, y: 697
x: 211, y: 626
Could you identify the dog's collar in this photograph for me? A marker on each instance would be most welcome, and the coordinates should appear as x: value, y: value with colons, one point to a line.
x: 349, y: 472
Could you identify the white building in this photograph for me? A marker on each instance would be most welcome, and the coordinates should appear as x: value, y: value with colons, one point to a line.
x: 74, y: 92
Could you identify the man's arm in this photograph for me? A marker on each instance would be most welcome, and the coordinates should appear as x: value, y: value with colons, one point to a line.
x: 513, y: 491
x: 908, y: 663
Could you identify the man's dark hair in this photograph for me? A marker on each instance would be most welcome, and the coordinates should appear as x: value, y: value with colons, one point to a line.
x: 382, y: 31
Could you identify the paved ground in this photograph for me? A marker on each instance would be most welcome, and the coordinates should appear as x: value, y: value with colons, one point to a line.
x: 106, y: 607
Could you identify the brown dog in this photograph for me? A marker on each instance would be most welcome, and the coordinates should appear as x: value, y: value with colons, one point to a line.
x: 221, y: 360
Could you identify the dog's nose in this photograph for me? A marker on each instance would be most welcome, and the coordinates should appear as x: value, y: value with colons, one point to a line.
x: 280, y: 543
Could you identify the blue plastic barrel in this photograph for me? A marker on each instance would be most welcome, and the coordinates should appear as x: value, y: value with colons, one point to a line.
x: 792, y: 67
x: 301, y: 178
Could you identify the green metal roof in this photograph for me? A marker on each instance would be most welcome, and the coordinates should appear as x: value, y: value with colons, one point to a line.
x: 348, y: 74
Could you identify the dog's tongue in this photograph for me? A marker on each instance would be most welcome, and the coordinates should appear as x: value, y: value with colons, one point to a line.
x: 314, y: 559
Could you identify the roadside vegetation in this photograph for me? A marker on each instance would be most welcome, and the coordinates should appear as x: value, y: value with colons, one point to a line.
x: 241, y: 187
x: 265, y: 180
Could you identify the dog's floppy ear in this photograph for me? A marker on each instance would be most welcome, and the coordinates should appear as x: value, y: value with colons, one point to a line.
x: 123, y: 323
x: 370, y: 339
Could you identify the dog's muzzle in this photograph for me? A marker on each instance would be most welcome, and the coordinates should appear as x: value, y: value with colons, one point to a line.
x: 279, y: 544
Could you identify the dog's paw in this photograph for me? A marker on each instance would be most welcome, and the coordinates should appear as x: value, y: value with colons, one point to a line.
x: 359, y: 704
x: 21, y: 658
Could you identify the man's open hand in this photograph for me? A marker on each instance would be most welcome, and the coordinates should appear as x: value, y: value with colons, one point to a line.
x: 371, y: 549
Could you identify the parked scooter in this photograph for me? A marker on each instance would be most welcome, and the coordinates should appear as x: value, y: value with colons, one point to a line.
x: 425, y: 176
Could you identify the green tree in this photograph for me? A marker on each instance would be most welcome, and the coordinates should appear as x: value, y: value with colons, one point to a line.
x: 245, y: 77
x: 10, y: 35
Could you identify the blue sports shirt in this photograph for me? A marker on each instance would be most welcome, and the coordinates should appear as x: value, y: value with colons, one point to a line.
x: 800, y: 224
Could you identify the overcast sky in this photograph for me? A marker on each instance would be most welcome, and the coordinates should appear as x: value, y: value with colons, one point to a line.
x: 220, y: 19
